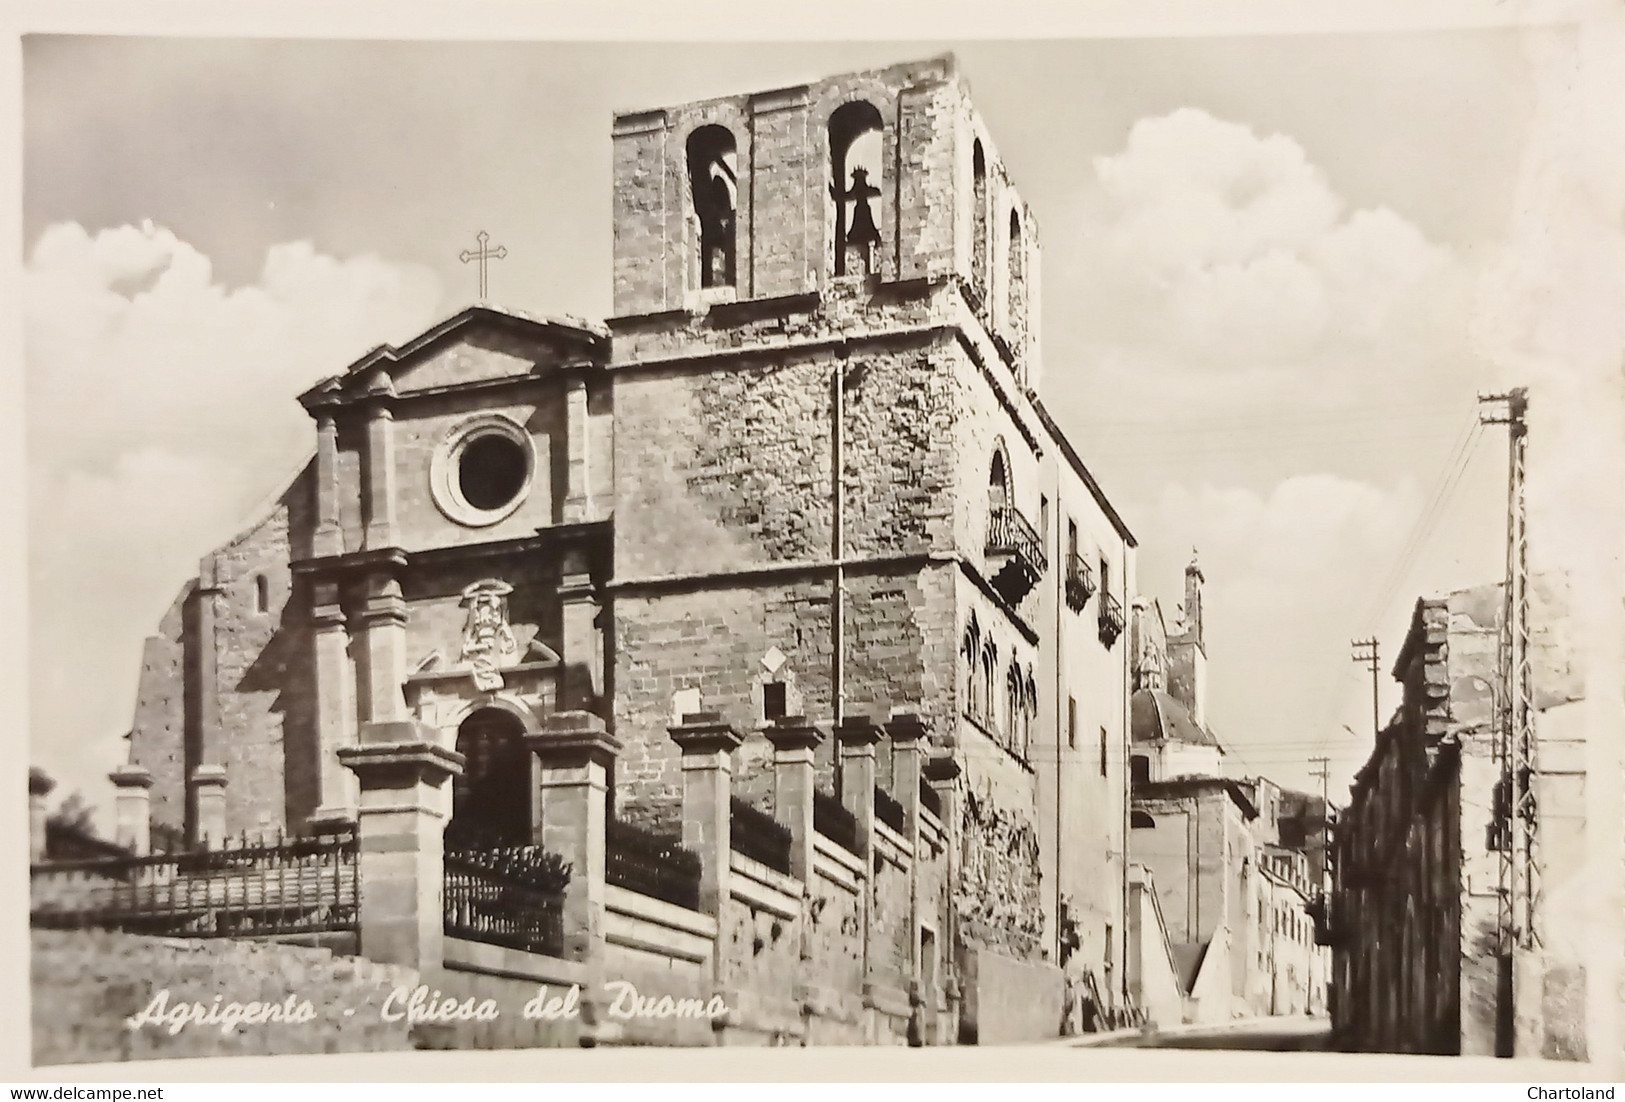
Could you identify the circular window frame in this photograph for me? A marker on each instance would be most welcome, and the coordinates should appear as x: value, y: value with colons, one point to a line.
x: 445, y: 485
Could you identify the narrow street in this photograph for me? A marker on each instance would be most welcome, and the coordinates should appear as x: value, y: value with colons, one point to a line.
x: 1300, y: 1034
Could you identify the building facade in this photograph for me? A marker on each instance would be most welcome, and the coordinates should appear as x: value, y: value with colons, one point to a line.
x: 1421, y: 954
x: 804, y: 470
x: 1229, y: 859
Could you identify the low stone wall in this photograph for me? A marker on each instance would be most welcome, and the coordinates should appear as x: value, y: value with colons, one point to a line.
x: 87, y: 983
x: 1009, y: 1001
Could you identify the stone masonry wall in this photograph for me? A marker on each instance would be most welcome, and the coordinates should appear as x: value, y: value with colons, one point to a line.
x: 263, y: 672
x: 86, y: 983
x: 158, y: 733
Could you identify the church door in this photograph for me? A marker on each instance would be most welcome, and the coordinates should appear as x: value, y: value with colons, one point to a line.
x: 491, y: 800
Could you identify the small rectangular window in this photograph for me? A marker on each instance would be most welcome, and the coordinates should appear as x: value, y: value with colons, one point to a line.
x: 1071, y: 537
x: 1103, y: 751
x: 1072, y: 723
x: 773, y: 700
x: 1043, y: 520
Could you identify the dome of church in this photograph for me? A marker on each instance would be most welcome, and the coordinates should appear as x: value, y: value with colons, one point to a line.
x: 1157, y: 716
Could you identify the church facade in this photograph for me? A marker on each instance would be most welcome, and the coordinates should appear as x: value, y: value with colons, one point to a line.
x: 804, y: 469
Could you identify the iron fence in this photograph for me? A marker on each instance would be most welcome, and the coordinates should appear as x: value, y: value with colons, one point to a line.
x: 758, y: 835
x: 930, y: 799
x: 509, y: 895
x: 834, y: 821
x: 888, y: 810
x: 650, y: 863
x: 265, y: 887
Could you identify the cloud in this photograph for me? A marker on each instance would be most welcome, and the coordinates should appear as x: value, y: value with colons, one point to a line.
x: 160, y: 416
x: 1281, y: 566
x: 1220, y: 265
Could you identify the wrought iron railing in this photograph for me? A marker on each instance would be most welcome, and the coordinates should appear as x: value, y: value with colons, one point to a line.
x: 834, y: 821
x: 264, y: 887
x: 1008, y: 533
x: 1080, y: 582
x: 650, y: 863
x: 888, y: 810
x: 930, y: 799
x: 1111, y: 619
x: 506, y: 895
x: 758, y: 835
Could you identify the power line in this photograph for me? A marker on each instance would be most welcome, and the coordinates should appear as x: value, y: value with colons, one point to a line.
x: 1430, y: 516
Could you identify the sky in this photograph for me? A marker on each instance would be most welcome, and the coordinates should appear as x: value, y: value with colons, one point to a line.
x: 1277, y: 271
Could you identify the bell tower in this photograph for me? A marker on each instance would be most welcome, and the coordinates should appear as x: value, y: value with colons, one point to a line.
x: 882, y: 177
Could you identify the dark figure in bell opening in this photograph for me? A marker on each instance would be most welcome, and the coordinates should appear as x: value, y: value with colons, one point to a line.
x: 862, y: 236
x: 717, y: 236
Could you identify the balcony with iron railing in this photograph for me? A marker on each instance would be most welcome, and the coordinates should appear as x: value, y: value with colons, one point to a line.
x: 1080, y: 582
x: 1015, y: 553
x: 1111, y: 619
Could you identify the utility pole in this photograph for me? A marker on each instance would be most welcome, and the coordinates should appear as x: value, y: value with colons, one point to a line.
x: 1365, y: 653
x: 1520, y: 864
x: 1323, y: 771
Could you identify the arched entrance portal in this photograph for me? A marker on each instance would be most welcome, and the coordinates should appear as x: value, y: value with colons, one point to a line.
x: 490, y: 802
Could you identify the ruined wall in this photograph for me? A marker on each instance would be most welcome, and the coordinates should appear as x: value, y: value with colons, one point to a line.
x: 158, y: 732
x: 264, y: 680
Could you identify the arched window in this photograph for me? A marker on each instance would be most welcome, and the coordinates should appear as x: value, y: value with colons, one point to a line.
x: 713, y: 178
x: 978, y: 255
x: 490, y: 801
x: 857, y: 176
x: 1016, y: 281
x: 1015, y: 697
x: 998, y: 483
x: 1139, y: 769
x: 990, y: 660
x: 972, y: 648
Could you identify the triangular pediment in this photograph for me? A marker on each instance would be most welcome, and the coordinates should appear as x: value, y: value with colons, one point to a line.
x: 480, y: 346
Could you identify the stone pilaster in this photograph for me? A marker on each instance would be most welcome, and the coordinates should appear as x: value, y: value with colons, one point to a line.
x: 206, y: 776
x: 708, y: 743
x: 907, y: 736
x: 794, y: 777
x: 328, y: 538
x: 383, y: 638
x: 942, y: 774
x: 335, y: 706
x: 209, y: 804
x: 380, y: 493
x: 583, y: 657
x: 577, y: 759
x: 39, y: 787
x: 132, y: 808
x: 576, y: 469
x: 403, y: 775
x: 857, y: 736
